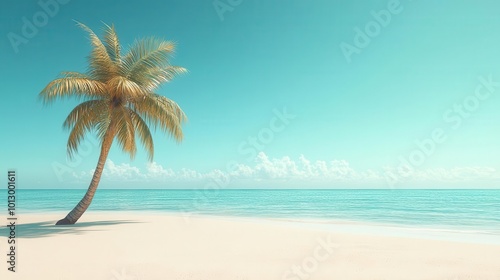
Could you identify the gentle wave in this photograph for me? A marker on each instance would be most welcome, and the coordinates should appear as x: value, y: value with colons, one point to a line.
x: 469, y: 210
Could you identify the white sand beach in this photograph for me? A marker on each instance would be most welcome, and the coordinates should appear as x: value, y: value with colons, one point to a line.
x: 155, y: 246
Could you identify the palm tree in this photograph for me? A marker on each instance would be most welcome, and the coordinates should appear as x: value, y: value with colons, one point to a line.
x: 118, y: 100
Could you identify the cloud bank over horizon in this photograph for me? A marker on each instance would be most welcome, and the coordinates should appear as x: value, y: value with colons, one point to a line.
x: 286, y: 172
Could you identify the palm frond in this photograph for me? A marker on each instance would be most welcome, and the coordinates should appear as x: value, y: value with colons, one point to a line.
x: 157, y: 76
x: 161, y: 112
x: 145, y: 55
x: 101, y: 66
x: 125, y: 130
x: 83, y: 118
x: 70, y: 74
x: 144, y: 133
x: 125, y: 88
x: 73, y: 84
x: 112, y: 43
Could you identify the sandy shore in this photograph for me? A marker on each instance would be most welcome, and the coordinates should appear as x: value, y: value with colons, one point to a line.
x: 124, y: 246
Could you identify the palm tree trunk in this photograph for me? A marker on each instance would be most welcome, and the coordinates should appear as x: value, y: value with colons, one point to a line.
x: 82, y: 206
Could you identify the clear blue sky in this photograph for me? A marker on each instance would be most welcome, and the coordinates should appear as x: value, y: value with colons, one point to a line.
x: 354, y: 116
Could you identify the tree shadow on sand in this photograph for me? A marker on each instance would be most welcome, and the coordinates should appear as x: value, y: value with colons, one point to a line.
x: 45, y: 229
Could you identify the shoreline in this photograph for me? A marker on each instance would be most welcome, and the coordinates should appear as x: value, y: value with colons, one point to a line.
x: 158, y: 246
x: 437, y: 232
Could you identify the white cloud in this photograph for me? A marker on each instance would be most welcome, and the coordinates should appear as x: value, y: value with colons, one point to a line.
x: 124, y: 171
x: 157, y: 171
x: 302, y: 170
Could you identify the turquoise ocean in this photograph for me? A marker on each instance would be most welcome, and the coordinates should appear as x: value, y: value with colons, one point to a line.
x: 472, y: 211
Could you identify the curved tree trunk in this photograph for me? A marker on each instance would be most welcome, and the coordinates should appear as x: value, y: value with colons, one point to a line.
x: 82, y: 206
